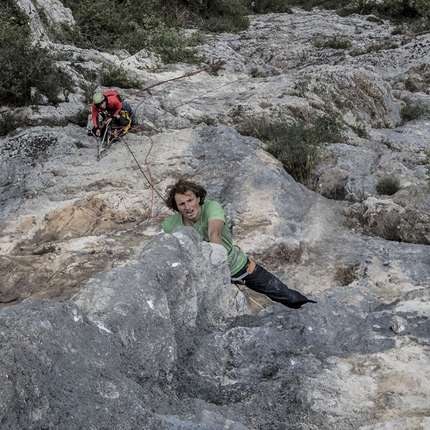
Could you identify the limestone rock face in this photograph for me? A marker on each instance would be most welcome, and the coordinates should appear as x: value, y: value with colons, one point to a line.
x: 106, y: 322
x: 54, y: 10
x: 137, y: 321
x: 158, y: 344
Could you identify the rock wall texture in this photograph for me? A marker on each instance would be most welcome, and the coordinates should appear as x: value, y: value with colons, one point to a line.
x: 159, y: 344
x: 54, y: 11
x: 107, y: 323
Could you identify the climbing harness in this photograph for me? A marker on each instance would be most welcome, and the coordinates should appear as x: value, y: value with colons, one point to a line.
x: 111, y: 132
x: 249, y: 269
x: 240, y: 281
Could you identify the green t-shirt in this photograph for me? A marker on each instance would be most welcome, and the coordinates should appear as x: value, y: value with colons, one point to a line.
x: 209, y: 211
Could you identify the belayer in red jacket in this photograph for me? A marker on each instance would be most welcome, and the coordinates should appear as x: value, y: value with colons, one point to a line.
x: 110, y: 104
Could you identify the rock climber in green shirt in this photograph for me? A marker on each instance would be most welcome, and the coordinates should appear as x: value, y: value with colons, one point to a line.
x: 187, y: 198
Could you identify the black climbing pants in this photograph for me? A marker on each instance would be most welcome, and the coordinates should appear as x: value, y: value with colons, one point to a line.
x: 264, y: 282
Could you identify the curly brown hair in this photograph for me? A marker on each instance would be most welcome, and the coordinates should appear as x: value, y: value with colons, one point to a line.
x: 183, y: 185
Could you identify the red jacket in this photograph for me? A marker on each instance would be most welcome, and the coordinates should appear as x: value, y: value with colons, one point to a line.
x: 114, y: 106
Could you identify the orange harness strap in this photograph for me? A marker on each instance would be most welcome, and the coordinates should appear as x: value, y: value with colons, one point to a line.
x: 242, y: 279
x: 251, y: 267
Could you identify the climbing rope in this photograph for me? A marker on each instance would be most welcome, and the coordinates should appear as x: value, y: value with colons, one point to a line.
x: 149, y: 180
x: 214, y: 66
x: 245, y: 292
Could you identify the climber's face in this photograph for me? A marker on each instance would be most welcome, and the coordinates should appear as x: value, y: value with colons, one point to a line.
x: 188, y: 206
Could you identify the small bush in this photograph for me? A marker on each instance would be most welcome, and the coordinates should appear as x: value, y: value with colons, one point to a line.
x: 227, y: 24
x: 336, y: 42
x: 413, y: 13
x: 412, y: 111
x: 7, y: 123
x: 171, y: 46
x: 44, y: 250
x: 361, y: 194
x: 388, y: 186
x: 112, y: 76
x: 297, y: 143
x: 29, y: 73
x: 205, y: 119
x: 220, y: 15
x: 268, y: 6
x: 255, y: 73
x: 391, y: 230
x: 153, y: 24
x: 382, y: 46
x: 360, y: 130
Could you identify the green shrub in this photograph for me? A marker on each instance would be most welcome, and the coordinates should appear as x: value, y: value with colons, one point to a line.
x: 7, y: 123
x: 256, y: 73
x: 219, y: 15
x: 391, y: 230
x: 296, y: 144
x: 171, y: 46
x: 133, y: 26
x: 29, y: 73
x: 205, y: 119
x: 415, y: 13
x: 336, y: 42
x: 230, y: 24
x: 360, y: 130
x: 44, y: 250
x: 268, y: 6
x: 326, y: 4
x: 388, y: 186
x: 413, y: 110
x: 113, y: 76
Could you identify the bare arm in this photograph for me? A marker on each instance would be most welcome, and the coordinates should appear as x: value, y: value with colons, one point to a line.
x: 215, y: 228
